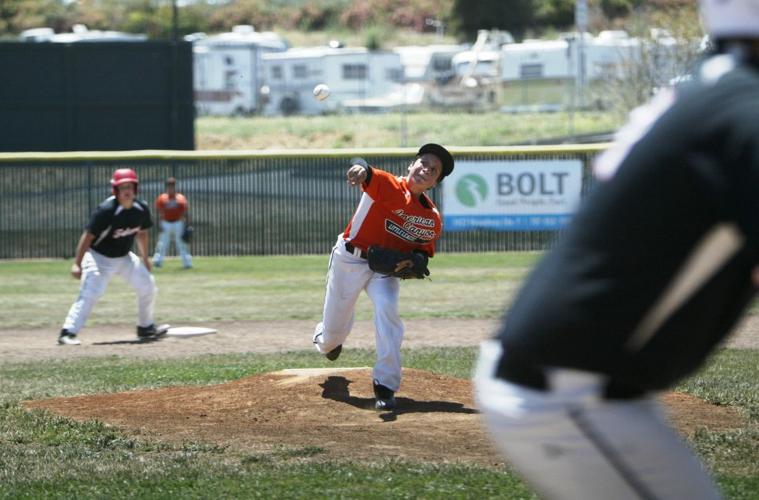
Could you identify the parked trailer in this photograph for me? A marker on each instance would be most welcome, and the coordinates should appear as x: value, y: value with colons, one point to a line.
x: 428, y: 63
x: 351, y: 73
x: 228, y: 72
x: 559, y: 59
x: 79, y: 33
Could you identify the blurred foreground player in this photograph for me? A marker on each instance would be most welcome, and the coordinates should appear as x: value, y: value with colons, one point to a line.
x: 652, y: 274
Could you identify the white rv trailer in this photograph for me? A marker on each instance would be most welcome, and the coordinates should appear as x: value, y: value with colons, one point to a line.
x: 350, y: 73
x: 475, y: 83
x: 558, y: 59
x: 228, y: 72
x: 428, y: 63
x: 535, y: 59
x: 79, y: 33
x: 482, y: 59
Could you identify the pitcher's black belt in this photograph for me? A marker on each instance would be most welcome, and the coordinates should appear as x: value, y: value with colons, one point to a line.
x: 355, y: 251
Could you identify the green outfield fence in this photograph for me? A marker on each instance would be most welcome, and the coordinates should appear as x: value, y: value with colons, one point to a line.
x: 242, y: 203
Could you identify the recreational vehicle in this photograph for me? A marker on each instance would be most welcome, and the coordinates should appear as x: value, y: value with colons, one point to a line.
x: 228, y: 73
x: 604, y: 55
x: 79, y: 33
x: 351, y: 73
x: 428, y: 63
x: 476, y: 80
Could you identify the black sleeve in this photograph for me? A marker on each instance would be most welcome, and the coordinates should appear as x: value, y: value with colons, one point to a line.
x: 99, y: 221
x: 357, y: 160
x: 147, y: 220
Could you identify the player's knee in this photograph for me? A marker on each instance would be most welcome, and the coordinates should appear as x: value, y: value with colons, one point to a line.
x: 93, y: 290
x: 147, y: 287
x: 386, y: 307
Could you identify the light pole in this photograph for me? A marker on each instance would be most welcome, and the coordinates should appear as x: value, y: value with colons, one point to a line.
x: 174, y: 21
x: 581, y: 21
x: 174, y: 76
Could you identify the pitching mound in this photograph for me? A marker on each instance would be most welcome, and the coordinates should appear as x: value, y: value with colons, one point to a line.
x: 331, y: 409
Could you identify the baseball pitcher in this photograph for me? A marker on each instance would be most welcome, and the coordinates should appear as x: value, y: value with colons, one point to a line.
x: 390, y: 237
x: 104, y: 250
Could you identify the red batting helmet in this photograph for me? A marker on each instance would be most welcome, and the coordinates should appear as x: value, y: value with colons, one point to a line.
x: 124, y: 175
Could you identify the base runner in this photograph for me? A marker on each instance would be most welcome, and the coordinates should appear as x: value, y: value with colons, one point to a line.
x: 104, y: 250
x: 652, y: 274
x: 396, y: 215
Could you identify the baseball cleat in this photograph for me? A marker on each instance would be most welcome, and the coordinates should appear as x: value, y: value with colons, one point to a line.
x: 385, y: 404
x: 384, y: 397
x: 68, y: 338
x: 152, y: 332
x: 334, y: 353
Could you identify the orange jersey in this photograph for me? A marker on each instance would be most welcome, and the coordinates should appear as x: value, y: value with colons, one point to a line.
x: 171, y: 209
x: 390, y: 216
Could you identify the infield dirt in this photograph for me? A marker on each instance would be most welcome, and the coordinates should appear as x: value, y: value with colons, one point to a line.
x: 19, y: 345
x: 328, y: 411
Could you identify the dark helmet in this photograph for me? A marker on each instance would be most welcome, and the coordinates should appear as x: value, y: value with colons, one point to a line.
x: 445, y: 157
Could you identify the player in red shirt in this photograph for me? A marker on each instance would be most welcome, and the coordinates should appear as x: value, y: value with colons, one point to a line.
x: 174, y: 216
x: 394, y: 212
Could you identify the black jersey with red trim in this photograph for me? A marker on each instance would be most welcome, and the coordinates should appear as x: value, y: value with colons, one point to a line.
x: 115, y: 227
x: 655, y: 268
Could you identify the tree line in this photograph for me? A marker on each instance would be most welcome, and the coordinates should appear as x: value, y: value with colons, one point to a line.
x: 462, y: 18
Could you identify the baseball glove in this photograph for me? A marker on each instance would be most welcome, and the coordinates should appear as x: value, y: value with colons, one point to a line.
x: 187, y: 234
x: 386, y: 260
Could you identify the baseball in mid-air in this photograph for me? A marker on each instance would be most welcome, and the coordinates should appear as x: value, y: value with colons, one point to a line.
x: 321, y: 92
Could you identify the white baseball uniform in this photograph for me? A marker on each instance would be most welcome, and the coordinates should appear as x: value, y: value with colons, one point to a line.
x: 390, y: 216
x: 114, y: 228
x: 171, y: 230
x: 571, y: 442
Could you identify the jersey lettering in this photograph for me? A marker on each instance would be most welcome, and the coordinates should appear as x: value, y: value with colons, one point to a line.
x: 127, y: 231
x: 412, y: 234
x: 415, y: 219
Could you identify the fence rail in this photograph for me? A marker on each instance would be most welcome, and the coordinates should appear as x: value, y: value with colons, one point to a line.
x: 242, y: 203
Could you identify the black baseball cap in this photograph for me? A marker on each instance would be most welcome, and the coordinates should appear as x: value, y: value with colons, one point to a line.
x: 445, y: 157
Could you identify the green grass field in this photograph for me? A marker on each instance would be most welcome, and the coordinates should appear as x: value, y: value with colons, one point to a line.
x: 45, y: 456
x: 39, y: 293
x: 395, y: 129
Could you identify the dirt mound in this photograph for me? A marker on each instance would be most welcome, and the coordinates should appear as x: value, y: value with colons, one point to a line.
x: 331, y: 409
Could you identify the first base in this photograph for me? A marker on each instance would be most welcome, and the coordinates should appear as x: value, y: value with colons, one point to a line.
x: 190, y: 331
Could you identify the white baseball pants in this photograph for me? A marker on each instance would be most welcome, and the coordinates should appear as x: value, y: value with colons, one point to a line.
x: 348, y: 275
x: 570, y: 443
x: 97, y: 270
x: 169, y: 230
